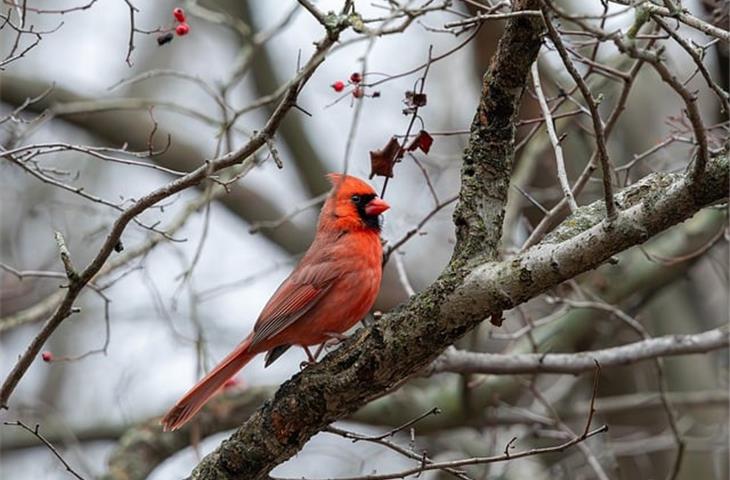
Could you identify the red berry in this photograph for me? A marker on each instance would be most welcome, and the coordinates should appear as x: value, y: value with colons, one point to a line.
x: 356, y: 77
x: 179, y: 14
x: 338, y: 86
x: 182, y: 29
x: 358, y: 93
x: 47, y: 356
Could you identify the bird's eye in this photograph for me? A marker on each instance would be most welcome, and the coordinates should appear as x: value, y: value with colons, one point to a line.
x: 356, y: 198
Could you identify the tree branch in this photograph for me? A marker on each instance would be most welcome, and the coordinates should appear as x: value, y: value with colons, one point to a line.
x: 487, y: 161
x: 458, y: 361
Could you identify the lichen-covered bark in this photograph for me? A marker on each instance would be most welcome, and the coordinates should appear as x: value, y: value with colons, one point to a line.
x: 487, y: 160
x: 586, y: 240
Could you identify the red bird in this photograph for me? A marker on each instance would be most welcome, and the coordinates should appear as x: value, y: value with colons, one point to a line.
x: 331, y: 289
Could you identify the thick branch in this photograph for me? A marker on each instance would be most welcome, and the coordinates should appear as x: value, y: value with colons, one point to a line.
x: 487, y: 162
x: 379, y: 358
x: 497, y: 363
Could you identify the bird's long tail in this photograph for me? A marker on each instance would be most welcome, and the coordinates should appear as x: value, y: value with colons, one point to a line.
x: 197, y: 396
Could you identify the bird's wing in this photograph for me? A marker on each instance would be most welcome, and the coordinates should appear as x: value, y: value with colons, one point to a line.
x: 295, y: 297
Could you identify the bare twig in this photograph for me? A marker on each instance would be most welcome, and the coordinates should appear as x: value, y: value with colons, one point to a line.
x: 424, y: 467
x: 598, y: 127
x: 560, y: 162
x: 410, y: 233
x: 492, y: 16
x: 35, y: 431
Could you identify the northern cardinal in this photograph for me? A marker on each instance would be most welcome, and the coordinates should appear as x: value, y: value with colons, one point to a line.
x: 331, y: 289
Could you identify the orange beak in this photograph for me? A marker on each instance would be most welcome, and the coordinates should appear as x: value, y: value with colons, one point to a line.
x: 375, y: 207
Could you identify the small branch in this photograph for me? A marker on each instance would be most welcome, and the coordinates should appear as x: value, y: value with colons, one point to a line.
x: 690, y: 102
x: 598, y: 127
x: 722, y: 95
x: 71, y: 273
x: 266, y: 224
x: 403, y: 276
x: 35, y: 431
x: 567, y: 431
x: 423, y: 458
x: 594, y: 395
x: 424, y: 467
x: 683, y: 16
x: 457, y: 361
x: 316, y: 13
x: 132, y: 29
x: 559, y: 160
x: 493, y: 16
x: 274, y: 152
x: 409, y: 423
x: 410, y: 233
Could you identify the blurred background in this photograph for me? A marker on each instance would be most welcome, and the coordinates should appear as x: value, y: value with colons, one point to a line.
x: 172, y: 312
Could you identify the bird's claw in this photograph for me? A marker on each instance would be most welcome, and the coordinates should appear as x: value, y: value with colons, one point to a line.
x: 335, y: 338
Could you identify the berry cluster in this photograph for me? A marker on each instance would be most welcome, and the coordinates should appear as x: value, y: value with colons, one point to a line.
x: 181, y: 29
x: 355, y: 81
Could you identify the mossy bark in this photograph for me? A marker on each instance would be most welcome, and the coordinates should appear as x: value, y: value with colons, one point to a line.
x: 487, y: 161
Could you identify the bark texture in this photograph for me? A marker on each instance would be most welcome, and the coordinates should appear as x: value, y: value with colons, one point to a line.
x: 487, y: 161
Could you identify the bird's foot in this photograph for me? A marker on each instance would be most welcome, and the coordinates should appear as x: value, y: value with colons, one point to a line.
x: 335, y: 338
x: 311, y: 359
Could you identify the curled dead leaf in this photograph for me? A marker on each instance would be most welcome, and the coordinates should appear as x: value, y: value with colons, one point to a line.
x: 382, y: 161
x: 422, y: 141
